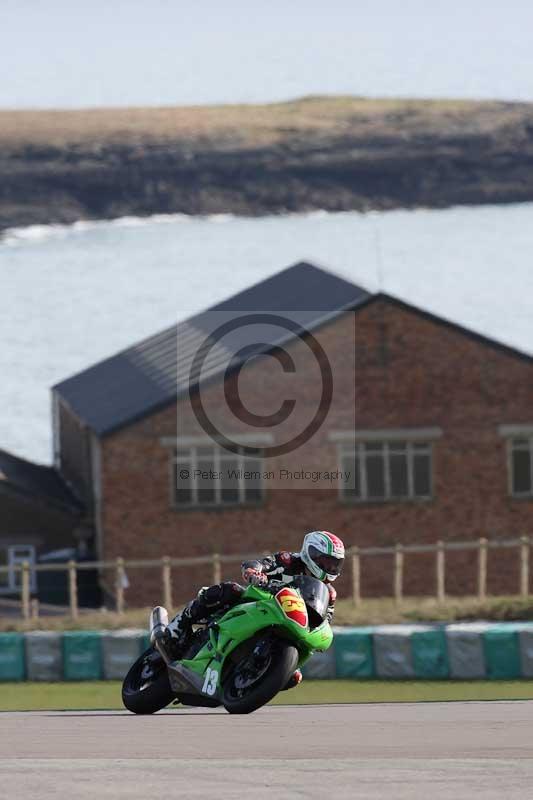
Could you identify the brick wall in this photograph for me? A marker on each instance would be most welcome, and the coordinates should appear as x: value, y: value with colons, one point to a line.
x: 393, y: 368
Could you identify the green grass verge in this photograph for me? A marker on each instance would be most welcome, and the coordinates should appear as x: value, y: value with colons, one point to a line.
x: 106, y: 694
x: 370, y: 612
x: 252, y: 124
x: 427, y: 609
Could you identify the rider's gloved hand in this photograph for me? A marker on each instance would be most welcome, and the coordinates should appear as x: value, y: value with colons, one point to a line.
x: 254, y: 576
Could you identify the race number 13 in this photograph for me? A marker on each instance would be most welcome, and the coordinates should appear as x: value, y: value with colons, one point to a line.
x: 210, y: 682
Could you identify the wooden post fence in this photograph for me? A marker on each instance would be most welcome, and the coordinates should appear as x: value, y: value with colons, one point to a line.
x: 482, y: 569
x: 25, y: 589
x: 217, y: 568
x: 35, y: 608
x: 356, y: 577
x: 398, y: 573
x: 73, y: 589
x: 167, y: 582
x: 524, y: 566
x: 164, y: 564
x: 119, y: 585
x: 441, y: 572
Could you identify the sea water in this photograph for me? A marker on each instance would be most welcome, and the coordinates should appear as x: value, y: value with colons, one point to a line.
x: 72, y: 295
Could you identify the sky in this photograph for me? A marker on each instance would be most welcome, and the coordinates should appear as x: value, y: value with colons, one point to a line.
x: 91, y: 53
x: 69, y: 53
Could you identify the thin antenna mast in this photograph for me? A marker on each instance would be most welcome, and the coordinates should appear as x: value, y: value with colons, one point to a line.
x: 380, y: 265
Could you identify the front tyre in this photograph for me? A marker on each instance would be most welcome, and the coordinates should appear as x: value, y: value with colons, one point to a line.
x: 259, y: 676
x: 146, y: 688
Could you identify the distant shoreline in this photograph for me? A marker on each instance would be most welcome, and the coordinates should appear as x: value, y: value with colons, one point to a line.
x: 331, y: 154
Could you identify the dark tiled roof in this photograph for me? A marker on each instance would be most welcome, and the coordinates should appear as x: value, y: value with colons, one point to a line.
x: 150, y: 375
x: 36, y: 482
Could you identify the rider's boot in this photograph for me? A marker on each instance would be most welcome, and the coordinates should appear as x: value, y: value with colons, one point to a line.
x: 295, y: 679
x: 208, y: 600
x: 179, y: 631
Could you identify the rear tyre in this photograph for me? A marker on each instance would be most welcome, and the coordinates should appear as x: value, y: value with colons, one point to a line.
x: 146, y: 688
x: 259, y: 676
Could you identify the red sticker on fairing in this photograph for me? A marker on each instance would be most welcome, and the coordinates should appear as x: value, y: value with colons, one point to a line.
x: 293, y: 606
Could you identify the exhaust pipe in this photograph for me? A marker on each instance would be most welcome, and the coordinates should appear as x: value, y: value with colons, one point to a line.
x: 158, y: 625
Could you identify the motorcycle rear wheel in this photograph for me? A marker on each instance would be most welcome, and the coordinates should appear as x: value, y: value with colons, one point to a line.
x: 143, y: 695
x: 283, y: 662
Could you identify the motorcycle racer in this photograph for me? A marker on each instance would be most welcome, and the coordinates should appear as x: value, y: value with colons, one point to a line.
x: 321, y: 556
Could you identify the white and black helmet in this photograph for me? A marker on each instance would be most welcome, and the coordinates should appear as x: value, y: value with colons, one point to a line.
x: 323, y: 555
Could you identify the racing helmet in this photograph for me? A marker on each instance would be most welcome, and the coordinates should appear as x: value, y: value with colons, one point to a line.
x: 323, y: 555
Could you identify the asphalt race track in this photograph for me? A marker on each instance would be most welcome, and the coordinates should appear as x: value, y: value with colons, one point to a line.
x: 439, y: 751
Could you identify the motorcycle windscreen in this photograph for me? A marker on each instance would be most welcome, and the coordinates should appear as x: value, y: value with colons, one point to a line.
x: 315, y: 595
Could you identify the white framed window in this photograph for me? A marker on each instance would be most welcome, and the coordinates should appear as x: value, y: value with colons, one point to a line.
x: 386, y: 470
x: 521, y: 466
x: 208, y: 476
x: 12, y: 557
x: 519, y: 459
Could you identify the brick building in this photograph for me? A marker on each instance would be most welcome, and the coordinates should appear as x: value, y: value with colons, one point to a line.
x: 433, y: 424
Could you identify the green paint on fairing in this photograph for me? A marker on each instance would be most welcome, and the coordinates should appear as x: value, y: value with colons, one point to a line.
x: 259, y: 611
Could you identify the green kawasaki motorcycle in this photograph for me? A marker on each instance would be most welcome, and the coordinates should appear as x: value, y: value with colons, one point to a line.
x: 241, y: 658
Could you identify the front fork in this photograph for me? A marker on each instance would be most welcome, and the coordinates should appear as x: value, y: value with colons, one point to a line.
x: 159, y: 635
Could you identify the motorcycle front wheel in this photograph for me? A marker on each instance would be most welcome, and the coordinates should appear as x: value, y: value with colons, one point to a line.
x: 146, y: 688
x: 259, y: 676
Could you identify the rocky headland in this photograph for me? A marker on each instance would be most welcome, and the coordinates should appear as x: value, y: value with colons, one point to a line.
x: 316, y: 153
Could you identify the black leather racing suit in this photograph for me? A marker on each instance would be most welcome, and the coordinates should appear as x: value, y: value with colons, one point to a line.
x: 278, y: 566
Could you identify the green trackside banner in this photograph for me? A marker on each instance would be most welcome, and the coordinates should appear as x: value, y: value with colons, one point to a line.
x: 82, y: 656
x: 354, y: 653
x: 12, y: 657
x: 462, y: 651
